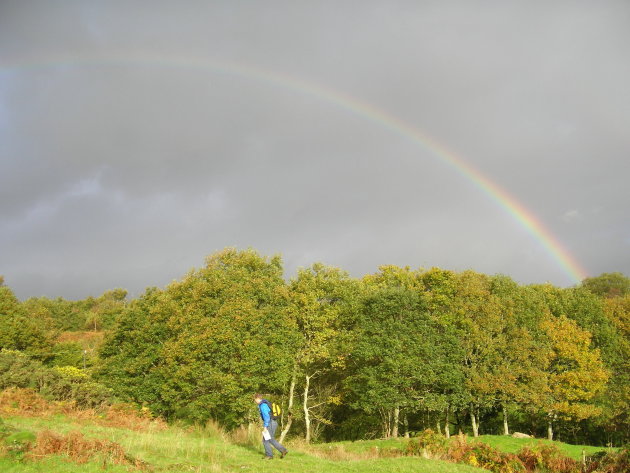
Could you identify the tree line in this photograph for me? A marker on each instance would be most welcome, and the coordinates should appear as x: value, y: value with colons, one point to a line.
x: 384, y: 355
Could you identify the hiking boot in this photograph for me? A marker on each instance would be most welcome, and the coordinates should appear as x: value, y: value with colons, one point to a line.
x: 268, y: 458
x: 283, y: 454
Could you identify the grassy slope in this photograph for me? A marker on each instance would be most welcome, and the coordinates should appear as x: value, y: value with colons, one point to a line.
x: 512, y: 445
x: 177, y: 450
x: 500, y: 442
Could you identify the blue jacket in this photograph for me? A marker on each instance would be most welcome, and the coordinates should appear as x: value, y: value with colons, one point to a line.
x: 265, y: 413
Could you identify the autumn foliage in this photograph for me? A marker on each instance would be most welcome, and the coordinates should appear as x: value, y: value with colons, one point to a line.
x: 391, y: 352
x: 80, y: 449
x: 27, y: 403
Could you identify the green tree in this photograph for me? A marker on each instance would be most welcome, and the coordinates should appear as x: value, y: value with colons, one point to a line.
x: 19, y: 370
x: 481, y: 321
x: 323, y: 302
x: 68, y: 354
x: 20, y: 332
x: 440, y: 292
x: 57, y: 314
x: 9, y: 304
x: 615, y: 401
x: 132, y: 353
x: 106, y: 309
x: 213, y: 338
x: 405, y: 358
x: 509, y: 380
x: 234, y: 336
x: 60, y: 383
x: 608, y: 285
x: 386, y: 354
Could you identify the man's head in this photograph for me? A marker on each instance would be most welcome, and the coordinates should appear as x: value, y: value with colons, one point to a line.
x: 258, y: 398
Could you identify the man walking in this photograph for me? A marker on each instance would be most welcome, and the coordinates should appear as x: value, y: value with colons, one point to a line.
x: 269, y: 428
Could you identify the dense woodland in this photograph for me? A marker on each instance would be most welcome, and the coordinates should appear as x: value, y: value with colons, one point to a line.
x: 386, y: 355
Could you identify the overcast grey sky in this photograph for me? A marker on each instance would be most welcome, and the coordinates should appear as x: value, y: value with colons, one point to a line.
x: 133, y: 141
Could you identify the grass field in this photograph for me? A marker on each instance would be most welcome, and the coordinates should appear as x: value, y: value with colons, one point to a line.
x: 178, y: 449
x: 205, y: 450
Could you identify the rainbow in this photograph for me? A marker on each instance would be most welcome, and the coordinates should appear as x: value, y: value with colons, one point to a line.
x: 524, y: 217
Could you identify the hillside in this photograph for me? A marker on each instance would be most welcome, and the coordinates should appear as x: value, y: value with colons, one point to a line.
x: 179, y: 449
x: 118, y: 443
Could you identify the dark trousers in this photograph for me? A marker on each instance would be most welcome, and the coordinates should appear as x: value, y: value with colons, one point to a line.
x: 273, y: 426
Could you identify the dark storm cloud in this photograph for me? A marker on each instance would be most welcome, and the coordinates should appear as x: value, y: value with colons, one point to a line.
x: 123, y: 164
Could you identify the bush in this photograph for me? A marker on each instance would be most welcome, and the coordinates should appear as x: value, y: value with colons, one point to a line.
x: 610, y: 461
x: 547, y: 458
x: 80, y: 449
x: 67, y: 354
x: 61, y: 383
x: 74, y: 384
x: 128, y: 416
x: 483, y: 456
x: 74, y: 446
x: 20, y: 371
x: 487, y: 457
x: 22, y: 401
x: 428, y: 444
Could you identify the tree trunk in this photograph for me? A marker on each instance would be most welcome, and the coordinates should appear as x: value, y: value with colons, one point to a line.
x: 478, y: 417
x: 386, y: 422
x: 550, y: 428
x: 459, y: 422
x: 290, y: 407
x: 406, y: 425
x: 438, y: 426
x: 473, y: 420
x: 395, y: 422
x: 307, y: 417
x: 506, y: 429
x: 447, y: 431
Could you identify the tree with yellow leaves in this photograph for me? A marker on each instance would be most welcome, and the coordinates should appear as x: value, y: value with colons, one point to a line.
x: 574, y: 372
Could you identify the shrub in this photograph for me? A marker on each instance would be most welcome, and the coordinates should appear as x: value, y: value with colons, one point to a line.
x: 487, y: 457
x: 22, y: 401
x: 90, y: 394
x: 20, y: 371
x: 67, y: 354
x: 483, y: 456
x: 547, y: 458
x: 610, y: 461
x: 26, y: 402
x: 428, y: 444
x: 75, y: 384
x: 130, y: 417
x: 79, y: 449
x: 61, y: 383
